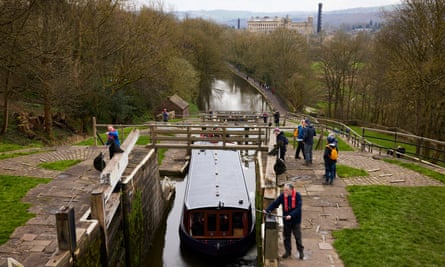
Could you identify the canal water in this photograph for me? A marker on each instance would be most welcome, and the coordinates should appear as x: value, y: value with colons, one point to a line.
x: 228, y: 94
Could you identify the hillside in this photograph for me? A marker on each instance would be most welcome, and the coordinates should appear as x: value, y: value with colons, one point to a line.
x: 330, y: 19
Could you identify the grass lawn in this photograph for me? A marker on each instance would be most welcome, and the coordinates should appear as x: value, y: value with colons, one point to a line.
x: 344, y: 171
x: 399, y: 226
x: 13, y: 212
x: 384, y: 140
x: 59, y: 165
x: 17, y: 154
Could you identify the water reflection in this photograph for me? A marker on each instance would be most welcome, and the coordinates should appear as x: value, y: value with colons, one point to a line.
x: 233, y: 94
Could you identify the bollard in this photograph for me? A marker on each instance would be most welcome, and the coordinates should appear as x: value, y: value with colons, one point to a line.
x: 66, y: 229
x: 271, y: 238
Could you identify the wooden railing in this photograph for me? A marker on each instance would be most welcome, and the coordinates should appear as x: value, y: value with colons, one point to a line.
x: 415, y: 147
x: 204, y: 135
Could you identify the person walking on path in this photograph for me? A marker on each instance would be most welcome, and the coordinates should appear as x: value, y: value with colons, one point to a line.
x: 308, y: 140
x: 291, y: 203
x: 330, y: 160
x: 282, y: 142
x: 276, y: 117
x: 300, y: 145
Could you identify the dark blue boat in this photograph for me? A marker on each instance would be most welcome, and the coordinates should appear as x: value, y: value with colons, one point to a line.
x: 217, y: 217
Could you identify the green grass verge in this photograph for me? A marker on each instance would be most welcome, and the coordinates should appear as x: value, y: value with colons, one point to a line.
x: 384, y: 140
x: 4, y: 147
x: 343, y: 146
x: 344, y: 171
x: 420, y: 169
x: 13, y: 212
x: 59, y: 165
x: 17, y: 154
x: 399, y: 226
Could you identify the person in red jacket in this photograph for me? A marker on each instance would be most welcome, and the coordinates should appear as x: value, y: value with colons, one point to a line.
x: 290, y: 201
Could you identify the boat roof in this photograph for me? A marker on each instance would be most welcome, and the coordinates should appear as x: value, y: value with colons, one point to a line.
x: 216, y: 176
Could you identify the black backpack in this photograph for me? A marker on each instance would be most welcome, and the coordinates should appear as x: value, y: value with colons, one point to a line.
x: 99, y: 162
x: 279, y: 167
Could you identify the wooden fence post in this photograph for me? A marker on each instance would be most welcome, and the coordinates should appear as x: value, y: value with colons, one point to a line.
x: 66, y: 229
x: 363, y: 140
x: 94, y: 131
x: 98, y: 213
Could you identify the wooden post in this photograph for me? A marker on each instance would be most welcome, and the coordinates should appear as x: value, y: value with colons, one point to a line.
x: 98, y: 213
x: 153, y: 137
x: 271, y: 238
x: 66, y: 229
x: 189, y: 140
x: 395, y: 141
x: 94, y: 131
x: 363, y: 140
x: 419, y: 147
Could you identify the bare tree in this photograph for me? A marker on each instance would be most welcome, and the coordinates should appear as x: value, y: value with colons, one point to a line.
x: 412, y: 49
x: 341, y: 60
x: 13, y: 18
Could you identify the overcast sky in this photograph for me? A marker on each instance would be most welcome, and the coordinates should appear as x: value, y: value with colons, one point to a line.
x: 268, y: 5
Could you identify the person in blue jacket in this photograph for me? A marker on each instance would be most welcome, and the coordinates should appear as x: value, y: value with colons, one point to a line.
x: 308, y: 140
x: 113, y: 142
x: 300, y: 144
x: 291, y: 203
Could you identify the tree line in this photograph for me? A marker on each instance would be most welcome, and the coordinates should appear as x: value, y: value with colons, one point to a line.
x: 101, y: 58
x: 106, y: 59
x: 394, y: 77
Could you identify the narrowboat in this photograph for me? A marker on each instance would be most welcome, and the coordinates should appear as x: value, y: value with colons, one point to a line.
x: 217, y: 217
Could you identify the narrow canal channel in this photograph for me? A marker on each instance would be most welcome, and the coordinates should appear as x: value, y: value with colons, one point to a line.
x: 228, y: 94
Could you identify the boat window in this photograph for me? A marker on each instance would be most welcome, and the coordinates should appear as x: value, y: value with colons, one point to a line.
x: 237, y: 220
x: 211, y: 222
x: 198, y: 224
x: 223, y: 222
x: 237, y: 224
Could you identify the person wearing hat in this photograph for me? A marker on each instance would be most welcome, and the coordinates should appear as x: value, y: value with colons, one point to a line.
x: 330, y: 161
x: 282, y: 142
x: 308, y: 141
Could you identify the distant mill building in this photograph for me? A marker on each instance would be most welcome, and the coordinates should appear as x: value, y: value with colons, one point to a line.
x: 270, y: 24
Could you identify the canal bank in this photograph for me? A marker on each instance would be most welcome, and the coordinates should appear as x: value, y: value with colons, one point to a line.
x: 272, y: 99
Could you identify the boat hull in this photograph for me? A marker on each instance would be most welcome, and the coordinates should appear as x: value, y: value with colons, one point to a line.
x: 217, y: 247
